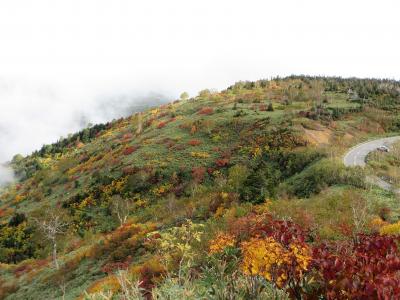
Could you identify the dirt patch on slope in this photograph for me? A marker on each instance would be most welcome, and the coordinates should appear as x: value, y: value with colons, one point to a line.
x: 318, y: 137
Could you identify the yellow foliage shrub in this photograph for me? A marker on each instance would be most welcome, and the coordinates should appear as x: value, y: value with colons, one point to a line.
x: 219, y: 212
x: 256, y: 151
x: 200, y: 154
x: 161, y: 190
x: 18, y: 198
x: 391, y: 229
x: 269, y: 259
x: 377, y: 223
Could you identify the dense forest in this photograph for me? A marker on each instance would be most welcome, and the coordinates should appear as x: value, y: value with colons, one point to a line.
x: 238, y: 194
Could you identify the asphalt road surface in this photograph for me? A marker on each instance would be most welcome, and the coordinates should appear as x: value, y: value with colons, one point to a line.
x: 357, y: 155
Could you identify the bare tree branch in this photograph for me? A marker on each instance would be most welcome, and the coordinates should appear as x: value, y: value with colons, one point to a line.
x: 51, y: 227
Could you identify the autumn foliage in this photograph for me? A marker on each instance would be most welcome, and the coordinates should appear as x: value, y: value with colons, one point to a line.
x: 161, y: 125
x: 129, y: 150
x: 194, y: 142
x: 221, y: 242
x: 206, y: 111
x: 198, y: 174
x: 278, y: 251
x: 222, y: 162
x: 270, y: 259
x: 367, y: 269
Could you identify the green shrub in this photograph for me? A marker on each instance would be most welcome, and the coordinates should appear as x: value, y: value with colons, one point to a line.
x: 320, y: 175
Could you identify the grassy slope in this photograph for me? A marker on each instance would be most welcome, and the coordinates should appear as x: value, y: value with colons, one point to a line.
x: 166, y: 149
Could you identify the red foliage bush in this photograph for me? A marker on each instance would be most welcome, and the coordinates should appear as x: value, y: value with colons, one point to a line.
x: 206, y: 111
x: 22, y: 269
x: 198, y: 174
x: 366, y: 269
x: 264, y: 225
x: 194, y: 142
x: 222, y: 162
x: 161, y: 125
x: 129, y: 150
x: 127, y: 136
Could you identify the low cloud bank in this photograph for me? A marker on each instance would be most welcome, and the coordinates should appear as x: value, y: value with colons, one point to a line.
x: 6, y: 175
x: 35, y: 114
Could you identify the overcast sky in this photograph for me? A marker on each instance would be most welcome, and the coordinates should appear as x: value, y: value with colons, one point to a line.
x: 60, y: 59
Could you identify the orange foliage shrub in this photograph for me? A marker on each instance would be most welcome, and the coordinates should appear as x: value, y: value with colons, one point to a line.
x: 161, y: 125
x: 5, y: 212
x: 193, y: 130
x: 194, y: 142
x: 109, y: 283
x: 206, y: 111
x: 220, y: 242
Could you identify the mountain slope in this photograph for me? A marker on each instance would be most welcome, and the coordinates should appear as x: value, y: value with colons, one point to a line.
x: 150, y: 193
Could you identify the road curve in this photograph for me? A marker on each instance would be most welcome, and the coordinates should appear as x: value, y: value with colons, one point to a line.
x: 356, y: 157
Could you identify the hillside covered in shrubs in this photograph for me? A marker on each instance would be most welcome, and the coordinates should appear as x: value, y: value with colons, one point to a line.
x: 238, y: 194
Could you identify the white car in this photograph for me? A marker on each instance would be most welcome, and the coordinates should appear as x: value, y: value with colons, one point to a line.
x: 383, y: 149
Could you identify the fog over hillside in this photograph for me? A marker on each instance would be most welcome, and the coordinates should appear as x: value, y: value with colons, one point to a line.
x: 35, y: 115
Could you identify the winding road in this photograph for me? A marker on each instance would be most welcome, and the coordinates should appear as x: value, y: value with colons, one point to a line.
x: 356, y: 157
